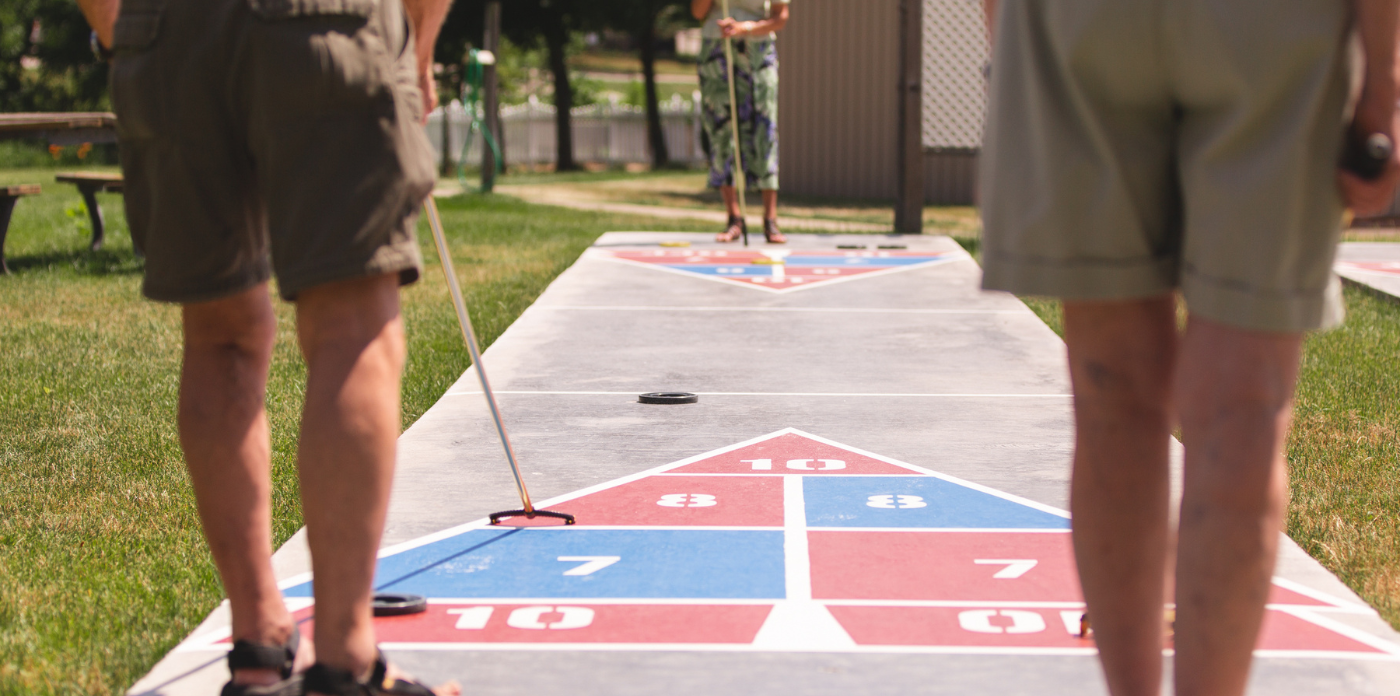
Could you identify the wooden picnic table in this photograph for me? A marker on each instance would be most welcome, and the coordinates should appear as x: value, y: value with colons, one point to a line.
x: 9, y: 195
x: 61, y: 128
x: 90, y: 184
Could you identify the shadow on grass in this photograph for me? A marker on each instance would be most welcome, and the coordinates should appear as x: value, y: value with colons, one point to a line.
x: 103, y: 262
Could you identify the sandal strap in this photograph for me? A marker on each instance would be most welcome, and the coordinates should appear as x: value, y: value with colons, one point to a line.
x: 290, y: 686
x: 333, y: 681
x: 249, y: 655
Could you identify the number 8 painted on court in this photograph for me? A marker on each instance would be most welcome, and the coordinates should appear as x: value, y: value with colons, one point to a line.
x: 896, y: 501
x: 687, y: 500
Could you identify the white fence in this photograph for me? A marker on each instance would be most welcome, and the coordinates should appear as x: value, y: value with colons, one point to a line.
x: 603, y: 133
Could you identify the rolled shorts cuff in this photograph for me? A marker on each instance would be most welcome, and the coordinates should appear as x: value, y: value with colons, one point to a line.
x: 1079, y: 280
x: 1264, y: 310
x: 213, y: 291
x: 402, y: 258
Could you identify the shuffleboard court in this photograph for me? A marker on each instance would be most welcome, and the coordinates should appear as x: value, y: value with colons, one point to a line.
x: 868, y: 498
x: 1373, y: 264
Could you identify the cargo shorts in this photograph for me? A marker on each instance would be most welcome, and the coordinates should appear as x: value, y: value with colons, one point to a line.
x: 1136, y: 147
x: 261, y: 135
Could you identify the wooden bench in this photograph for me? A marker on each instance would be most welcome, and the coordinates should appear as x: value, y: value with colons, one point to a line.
x: 9, y: 195
x: 90, y: 184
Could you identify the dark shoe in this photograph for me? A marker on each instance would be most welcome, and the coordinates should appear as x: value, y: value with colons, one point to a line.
x: 736, y: 229
x: 333, y: 681
x: 771, y: 232
x: 249, y: 655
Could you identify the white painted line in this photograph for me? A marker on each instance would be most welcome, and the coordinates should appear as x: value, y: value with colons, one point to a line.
x: 796, y: 561
x: 1347, y: 630
x: 950, y: 395
x: 731, y: 647
x: 1320, y: 596
x: 820, y: 310
x: 866, y: 649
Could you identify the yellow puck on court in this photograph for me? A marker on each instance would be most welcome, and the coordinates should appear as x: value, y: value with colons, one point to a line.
x: 675, y: 244
x: 768, y: 262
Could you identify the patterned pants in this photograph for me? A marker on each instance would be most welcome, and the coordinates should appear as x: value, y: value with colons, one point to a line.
x: 756, y: 91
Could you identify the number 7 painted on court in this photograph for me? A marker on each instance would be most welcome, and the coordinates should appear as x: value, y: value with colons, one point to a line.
x: 1015, y: 567
x: 591, y: 564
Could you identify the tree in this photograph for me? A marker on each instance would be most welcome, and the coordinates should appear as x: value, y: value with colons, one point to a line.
x: 554, y: 20
x: 643, y: 20
x: 45, y: 60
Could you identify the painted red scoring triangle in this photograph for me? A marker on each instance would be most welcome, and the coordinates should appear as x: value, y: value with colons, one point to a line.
x: 791, y: 453
x: 741, y: 501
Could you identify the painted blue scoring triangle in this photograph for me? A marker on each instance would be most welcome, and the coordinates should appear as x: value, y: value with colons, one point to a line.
x: 525, y: 562
x: 915, y: 502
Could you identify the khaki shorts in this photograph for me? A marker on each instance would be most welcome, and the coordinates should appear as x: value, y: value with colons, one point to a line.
x: 1138, y: 146
x: 262, y: 134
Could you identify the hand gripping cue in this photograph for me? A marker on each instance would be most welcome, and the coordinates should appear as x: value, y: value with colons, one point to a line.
x: 469, y: 335
x: 739, y: 178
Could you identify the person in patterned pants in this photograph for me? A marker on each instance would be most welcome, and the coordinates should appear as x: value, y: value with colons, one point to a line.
x: 751, y: 26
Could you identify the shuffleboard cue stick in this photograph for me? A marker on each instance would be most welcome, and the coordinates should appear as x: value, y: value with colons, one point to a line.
x: 469, y: 335
x: 740, y: 179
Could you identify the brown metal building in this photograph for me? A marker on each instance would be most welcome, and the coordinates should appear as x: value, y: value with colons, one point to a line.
x: 838, y: 100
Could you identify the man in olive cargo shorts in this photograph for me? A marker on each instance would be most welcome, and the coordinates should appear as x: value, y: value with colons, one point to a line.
x: 1140, y: 148
x: 285, y: 137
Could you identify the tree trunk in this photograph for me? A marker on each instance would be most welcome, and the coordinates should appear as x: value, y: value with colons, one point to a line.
x: 655, y: 136
x: 491, y: 41
x: 556, y: 38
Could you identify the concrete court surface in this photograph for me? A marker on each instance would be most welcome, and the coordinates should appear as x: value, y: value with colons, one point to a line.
x: 1373, y: 264
x: 913, y: 365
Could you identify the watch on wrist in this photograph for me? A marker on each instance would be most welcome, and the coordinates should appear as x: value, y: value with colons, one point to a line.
x: 102, y: 52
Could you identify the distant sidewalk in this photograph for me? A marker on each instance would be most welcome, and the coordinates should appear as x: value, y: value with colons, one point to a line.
x: 549, y: 195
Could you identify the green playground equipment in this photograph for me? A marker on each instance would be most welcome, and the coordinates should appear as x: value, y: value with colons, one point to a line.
x: 472, y: 87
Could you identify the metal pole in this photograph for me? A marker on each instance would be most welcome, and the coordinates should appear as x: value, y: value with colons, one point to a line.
x: 464, y: 320
x: 740, y: 179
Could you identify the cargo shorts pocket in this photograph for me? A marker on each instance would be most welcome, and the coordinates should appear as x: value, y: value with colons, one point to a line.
x: 134, y: 76
x: 310, y: 55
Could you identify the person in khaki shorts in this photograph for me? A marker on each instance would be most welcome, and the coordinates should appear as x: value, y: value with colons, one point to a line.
x: 1137, y: 148
x: 282, y: 135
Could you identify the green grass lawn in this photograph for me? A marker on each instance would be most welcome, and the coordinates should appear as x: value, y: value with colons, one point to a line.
x: 102, y: 565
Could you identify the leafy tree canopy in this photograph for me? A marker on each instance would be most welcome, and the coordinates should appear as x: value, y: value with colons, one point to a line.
x: 45, y: 60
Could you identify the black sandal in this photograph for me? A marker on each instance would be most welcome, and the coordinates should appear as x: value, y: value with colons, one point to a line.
x: 771, y: 232
x: 736, y: 229
x: 333, y: 681
x: 249, y: 655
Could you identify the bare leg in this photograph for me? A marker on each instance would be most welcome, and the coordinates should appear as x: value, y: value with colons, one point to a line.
x: 731, y: 200
x: 1121, y: 357
x: 352, y: 336
x: 1235, y: 389
x: 224, y: 433
x: 770, y: 204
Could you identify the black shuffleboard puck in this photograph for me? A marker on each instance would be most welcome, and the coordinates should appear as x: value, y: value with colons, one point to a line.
x: 668, y: 398
x: 397, y: 604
